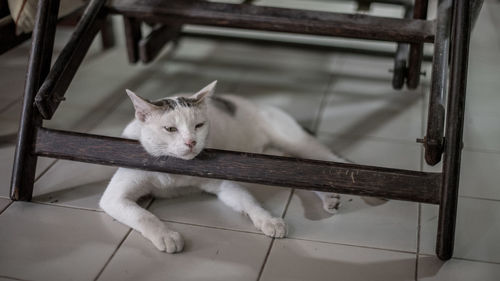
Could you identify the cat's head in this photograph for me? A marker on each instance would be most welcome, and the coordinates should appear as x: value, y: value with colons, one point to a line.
x: 176, y: 126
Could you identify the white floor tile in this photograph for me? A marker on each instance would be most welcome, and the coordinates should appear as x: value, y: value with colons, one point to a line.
x: 481, y: 132
x: 361, y: 102
x: 359, y: 67
x: 13, y: 65
x: 477, y: 230
x: 66, y: 175
x: 395, y: 115
x: 8, y: 279
x: 3, y: 204
x: 205, y: 209
x: 6, y: 163
x: 479, y: 175
x: 209, y: 254
x: 485, y: 37
x: 297, y: 93
x: 482, y: 117
x: 52, y: 243
x: 390, y: 225
x: 371, y: 124
x: 9, y: 116
x: 375, y: 152
x: 84, y: 195
x: 307, y: 260
x: 431, y: 268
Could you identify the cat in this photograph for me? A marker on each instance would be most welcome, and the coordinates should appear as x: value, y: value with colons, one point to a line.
x: 181, y: 127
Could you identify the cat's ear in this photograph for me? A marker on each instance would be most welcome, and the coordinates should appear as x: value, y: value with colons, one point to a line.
x: 205, y: 92
x: 143, y: 108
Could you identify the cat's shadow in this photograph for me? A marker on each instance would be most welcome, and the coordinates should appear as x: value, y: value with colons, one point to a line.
x: 313, y: 208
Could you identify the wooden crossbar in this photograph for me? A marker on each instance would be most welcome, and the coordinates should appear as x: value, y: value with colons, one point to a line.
x: 246, y: 167
x: 277, y: 19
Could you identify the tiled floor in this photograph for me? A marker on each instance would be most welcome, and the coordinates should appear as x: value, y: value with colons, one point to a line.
x: 346, y: 99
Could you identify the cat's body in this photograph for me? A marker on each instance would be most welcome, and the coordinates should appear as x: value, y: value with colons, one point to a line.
x: 181, y: 127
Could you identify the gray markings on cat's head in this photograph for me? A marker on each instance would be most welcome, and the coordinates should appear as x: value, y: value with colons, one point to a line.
x: 166, y: 103
x: 224, y: 105
x: 187, y: 102
x: 173, y: 103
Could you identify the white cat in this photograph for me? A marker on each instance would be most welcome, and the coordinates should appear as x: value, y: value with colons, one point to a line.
x: 181, y: 127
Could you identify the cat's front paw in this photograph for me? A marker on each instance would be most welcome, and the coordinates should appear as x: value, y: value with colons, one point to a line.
x: 166, y: 240
x: 273, y: 227
x: 331, y: 203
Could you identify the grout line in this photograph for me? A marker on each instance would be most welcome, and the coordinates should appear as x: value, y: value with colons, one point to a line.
x: 14, y: 278
x: 493, y: 16
x: 8, y: 205
x: 119, y: 246
x: 287, y: 203
x: 113, y: 254
x: 482, y: 150
x: 8, y: 105
x: 465, y: 259
x: 421, y: 164
x: 418, y: 240
x: 272, y: 241
x: 66, y: 206
x: 479, y: 198
x: 474, y: 260
x: 368, y: 137
x: 60, y: 205
x: 265, y: 259
x: 353, y: 245
x: 322, y: 105
x: 423, y: 125
x: 214, y: 227
x: 46, y: 170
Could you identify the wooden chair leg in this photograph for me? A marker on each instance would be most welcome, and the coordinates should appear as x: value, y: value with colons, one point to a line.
x: 416, y: 49
x: 108, y: 34
x: 461, y: 25
x: 133, y: 35
x: 23, y: 174
x: 400, y: 72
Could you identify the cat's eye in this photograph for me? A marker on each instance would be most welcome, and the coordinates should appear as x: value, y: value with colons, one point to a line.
x: 199, y: 125
x: 170, y: 129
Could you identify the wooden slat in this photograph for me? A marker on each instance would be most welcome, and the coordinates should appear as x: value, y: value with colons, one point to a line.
x: 289, y: 43
x: 245, y: 167
x: 277, y: 19
x: 52, y: 91
x: 151, y: 46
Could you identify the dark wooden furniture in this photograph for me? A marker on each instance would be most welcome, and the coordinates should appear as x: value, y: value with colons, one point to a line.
x: 9, y: 39
x: 46, y: 86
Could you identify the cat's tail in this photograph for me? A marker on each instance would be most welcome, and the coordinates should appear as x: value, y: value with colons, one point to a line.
x: 288, y: 136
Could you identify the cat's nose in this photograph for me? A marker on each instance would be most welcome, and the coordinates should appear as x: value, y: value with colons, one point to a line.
x: 190, y: 143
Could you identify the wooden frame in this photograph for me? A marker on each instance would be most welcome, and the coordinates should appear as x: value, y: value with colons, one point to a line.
x: 9, y: 39
x: 433, y: 188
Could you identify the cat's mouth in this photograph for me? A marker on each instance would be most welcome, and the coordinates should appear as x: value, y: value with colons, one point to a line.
x: 189, y: 154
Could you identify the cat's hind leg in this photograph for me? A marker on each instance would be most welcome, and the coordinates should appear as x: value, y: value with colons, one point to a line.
x: 288, y: 136
x: 240, y: 200
x: 331, y: 201
x: 119, y: 201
